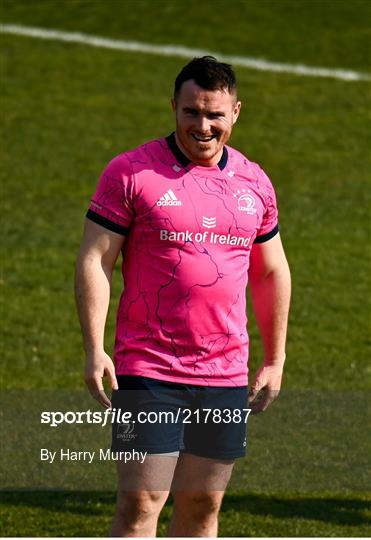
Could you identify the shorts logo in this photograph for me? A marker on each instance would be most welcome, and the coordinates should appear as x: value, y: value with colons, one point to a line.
x: 209, y: 223
x: 169, y: 199
x: 246, y: 202
x: 125, y: 431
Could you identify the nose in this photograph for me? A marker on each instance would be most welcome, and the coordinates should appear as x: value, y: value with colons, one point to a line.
x: 203, y: 124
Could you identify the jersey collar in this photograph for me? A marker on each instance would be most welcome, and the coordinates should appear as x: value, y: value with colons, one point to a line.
x: 183, y: 160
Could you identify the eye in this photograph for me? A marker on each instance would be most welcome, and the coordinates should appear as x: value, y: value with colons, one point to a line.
x: 190, y: 112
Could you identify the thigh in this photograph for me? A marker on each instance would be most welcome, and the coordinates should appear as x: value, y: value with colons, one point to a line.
x: 199, y: 474
x: 154, y: 474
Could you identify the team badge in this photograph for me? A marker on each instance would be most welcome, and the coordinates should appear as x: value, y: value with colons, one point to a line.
x: 245, y: 201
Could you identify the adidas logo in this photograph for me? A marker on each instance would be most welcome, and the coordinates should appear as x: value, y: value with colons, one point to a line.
x: 169, y: 199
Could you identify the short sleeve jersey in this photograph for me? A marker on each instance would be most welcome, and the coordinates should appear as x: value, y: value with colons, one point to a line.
x: 189, y: 232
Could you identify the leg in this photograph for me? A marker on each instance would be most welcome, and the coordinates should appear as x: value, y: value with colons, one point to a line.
x: 143, y: 487
x: 137, y: 513
x: 142, y: 492
x: 198, y: 489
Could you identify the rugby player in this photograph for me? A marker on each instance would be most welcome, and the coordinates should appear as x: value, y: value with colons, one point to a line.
x: 196, y: 222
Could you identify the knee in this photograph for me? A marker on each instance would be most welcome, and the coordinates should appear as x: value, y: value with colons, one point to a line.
x: 199, y: 505
x: 138, y: 507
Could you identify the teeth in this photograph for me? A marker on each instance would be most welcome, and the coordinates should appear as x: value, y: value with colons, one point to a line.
x: 203, y: 139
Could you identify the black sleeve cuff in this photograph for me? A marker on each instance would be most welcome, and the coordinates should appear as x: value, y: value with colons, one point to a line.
x: 106, y: 223
x: 265, y: 237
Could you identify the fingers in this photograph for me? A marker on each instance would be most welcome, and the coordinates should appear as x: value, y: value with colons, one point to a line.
x: 97, y: 367
x: 265, y: 389
x: 259, y: 383
x: 112, y: 377
x: 95, y: 386
x: 255, y: 389
x: 102, y: 398
x: 262, y: 401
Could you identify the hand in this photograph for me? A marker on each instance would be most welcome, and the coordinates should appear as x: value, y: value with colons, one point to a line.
x: 99, y: 365
x: 266, y: 388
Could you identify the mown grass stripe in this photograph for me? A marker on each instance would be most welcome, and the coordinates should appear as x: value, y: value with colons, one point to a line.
x: 183, y: 52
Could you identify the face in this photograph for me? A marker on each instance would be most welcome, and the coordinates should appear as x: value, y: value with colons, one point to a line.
x: 204, y: 122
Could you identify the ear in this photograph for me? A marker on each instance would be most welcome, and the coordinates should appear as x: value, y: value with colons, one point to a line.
x: 236, y: 111
x: 173, y: 104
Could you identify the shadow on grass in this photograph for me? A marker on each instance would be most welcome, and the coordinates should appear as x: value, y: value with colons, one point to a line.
x: 330, y: 509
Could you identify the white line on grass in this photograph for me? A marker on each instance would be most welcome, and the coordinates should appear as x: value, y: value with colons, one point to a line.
x: 182, y: 52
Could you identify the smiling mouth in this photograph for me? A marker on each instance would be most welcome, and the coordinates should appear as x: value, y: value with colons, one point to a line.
x: 199, y: 138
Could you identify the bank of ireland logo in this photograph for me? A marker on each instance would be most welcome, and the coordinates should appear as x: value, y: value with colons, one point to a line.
x: 246, y: 202
x: 125, y: 431
x: 209, y: 223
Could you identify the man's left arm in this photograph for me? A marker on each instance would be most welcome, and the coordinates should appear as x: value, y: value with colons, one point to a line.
x: 270, y: 287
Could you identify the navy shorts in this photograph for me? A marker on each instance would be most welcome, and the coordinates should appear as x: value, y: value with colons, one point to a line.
x: 168, y: 417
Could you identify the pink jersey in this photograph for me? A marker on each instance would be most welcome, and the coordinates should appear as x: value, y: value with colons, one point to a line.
x: 189, y: 232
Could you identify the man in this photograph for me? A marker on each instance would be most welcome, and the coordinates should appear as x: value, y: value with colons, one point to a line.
x: 195, y: 220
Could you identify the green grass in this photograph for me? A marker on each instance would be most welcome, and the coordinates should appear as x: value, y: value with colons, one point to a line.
x: 317, y: 32
x: 310, y: 135
x: 243, y: 514
x: 67, y: 109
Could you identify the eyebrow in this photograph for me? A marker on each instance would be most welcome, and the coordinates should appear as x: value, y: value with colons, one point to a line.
x: 208, y: 113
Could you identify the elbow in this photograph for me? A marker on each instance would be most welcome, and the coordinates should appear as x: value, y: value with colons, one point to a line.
x: 90, y: 268
x: 280, y: 272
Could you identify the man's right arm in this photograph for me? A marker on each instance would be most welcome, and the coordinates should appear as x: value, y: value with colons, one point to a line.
x: 99, y: 250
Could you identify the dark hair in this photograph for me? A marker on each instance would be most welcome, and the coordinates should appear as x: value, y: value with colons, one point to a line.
x: 209, y: 74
